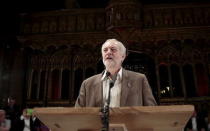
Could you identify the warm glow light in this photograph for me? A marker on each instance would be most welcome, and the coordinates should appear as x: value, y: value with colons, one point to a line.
x: 168, y: 88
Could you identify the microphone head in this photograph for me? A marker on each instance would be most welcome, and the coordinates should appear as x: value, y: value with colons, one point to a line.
x: 108, y: 74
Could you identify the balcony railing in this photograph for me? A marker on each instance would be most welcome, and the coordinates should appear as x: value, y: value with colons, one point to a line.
x: 64, y: 21
x: 94, y: 20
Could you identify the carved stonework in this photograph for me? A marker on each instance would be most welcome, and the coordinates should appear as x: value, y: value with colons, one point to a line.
x: 52, y: 26
x: 158, y: 18
x: 44, y: 26
x: 90, y: 22
x: 148, y: 20
x: 168, y: 17
x: 71, y: 23
x: 62, y: 24
x: 178, y: 17
x: 123, y: 14
x: 35, y: 28
x: 164, y: 34
x: 26, y: 29
x: 81, y: 23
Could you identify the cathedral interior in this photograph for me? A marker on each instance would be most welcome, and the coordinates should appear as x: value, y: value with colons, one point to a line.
x: 47, y: 52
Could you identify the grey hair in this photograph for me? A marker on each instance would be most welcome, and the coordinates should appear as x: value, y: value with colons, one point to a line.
x: 119, y: 44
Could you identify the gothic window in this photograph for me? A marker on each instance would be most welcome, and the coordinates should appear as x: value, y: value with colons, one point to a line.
x: 164, y: 81
x: 202, y: 80
x: 136, y: 62
x: 34, y: 85
x: 141, y: 62
x: 78, y: 78
x: 189, y: 80
x: 176, y: 81
x: 65, y: 84
x: 55, y: 85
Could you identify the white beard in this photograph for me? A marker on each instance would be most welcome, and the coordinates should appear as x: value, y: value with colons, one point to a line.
x: 109, y: 64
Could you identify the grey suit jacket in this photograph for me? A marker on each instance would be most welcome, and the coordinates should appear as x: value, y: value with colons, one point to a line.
x: 135, y: 91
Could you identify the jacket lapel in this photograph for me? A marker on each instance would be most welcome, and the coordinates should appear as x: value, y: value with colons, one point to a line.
x: 99, y: 91
x: 124, y: 88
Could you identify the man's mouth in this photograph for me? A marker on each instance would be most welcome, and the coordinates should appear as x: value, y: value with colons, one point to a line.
x: 109, y: 58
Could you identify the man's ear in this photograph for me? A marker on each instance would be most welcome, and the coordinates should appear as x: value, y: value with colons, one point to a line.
x: 123, y: 57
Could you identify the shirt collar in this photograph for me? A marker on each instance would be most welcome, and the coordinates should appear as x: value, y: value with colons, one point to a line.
x: 119, y: 74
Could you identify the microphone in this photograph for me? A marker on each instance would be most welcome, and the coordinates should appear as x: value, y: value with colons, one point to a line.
x: 111, y: 84
x: 105, y: 108
x: 108, y: 74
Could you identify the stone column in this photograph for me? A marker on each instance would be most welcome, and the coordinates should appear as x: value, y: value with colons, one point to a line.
x: 60, y: 83
x: 183, y: 82
x: 29, y: 83
x: 72, y: 84
x: 2, y: 102
x: 170, y: 82
x: 158, y: 77
x: 1, y: 68
x: 49, y: 85
x: 38, y: 85
x: 195, y: 78
x: 46, y: 86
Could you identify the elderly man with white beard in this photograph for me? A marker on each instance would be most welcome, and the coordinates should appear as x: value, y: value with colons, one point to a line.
x: 129, y: 88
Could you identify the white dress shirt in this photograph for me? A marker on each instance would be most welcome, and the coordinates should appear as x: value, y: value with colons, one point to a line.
x: 115, y: 92
x: 26, y: 122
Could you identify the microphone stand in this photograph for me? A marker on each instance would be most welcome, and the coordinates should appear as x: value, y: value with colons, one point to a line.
x: 105, y: 110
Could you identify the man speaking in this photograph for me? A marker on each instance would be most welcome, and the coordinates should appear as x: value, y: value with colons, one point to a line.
x: 129, y: 88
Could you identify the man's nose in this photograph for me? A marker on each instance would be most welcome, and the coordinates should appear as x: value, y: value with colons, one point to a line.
x: 109, y: 51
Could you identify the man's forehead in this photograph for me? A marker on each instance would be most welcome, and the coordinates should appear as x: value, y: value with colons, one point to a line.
x: 110, y: 44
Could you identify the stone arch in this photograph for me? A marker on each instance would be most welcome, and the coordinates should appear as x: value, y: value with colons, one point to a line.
x: 50, y: 48
x: 197, y: 56
x: 168, y: 54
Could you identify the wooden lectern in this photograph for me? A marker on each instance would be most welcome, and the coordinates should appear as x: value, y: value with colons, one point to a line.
x: 141, y: 118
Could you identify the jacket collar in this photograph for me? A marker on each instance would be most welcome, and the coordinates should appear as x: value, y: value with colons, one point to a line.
x: 105, y: 72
